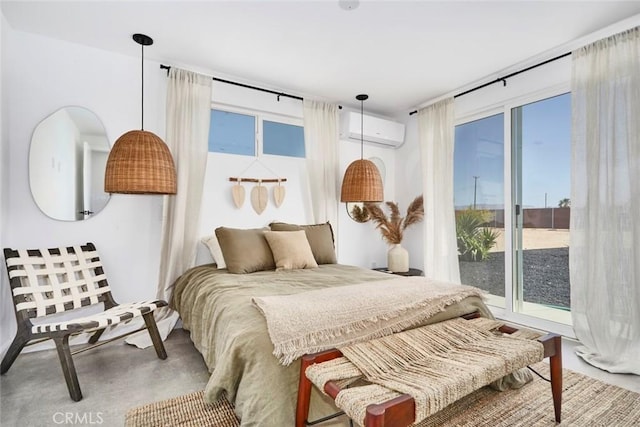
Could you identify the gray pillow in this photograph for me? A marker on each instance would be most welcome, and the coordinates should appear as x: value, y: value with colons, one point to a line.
x: 245, y: 250
x: 320, y: 237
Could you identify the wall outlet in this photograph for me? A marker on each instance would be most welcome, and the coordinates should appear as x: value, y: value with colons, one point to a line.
x: 374, y: 264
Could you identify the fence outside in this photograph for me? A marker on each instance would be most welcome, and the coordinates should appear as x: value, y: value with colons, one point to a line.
x: 552, y: 218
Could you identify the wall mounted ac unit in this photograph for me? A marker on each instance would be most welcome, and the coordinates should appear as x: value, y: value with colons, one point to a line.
x: 376, y: 130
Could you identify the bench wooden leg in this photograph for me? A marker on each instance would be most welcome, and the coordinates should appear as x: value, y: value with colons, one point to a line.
x: 150, y: 321
x: 304, y: 384
x: 553, y: 350
x: 555, y: 366
x: 68, y: 368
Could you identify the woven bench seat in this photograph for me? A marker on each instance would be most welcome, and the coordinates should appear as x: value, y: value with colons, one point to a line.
x: 418, y: 372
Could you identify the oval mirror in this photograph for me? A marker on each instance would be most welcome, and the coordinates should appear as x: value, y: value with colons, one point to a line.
x: 357, y: 210
x: 67, y: 160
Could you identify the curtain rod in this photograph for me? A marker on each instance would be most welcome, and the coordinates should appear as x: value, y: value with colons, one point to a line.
x: 504, y: 79
x: 279, y: 94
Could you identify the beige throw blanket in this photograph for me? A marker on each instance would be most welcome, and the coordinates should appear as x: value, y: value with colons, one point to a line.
x: 317, y: 320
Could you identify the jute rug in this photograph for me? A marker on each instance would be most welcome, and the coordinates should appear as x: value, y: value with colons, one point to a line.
x: 586, y: 402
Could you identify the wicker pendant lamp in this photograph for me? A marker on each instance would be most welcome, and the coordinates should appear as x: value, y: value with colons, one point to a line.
x: 362, y: 182
x: 140, y: 162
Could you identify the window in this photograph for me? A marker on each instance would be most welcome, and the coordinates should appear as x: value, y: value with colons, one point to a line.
x: 479, y: 204
x: 232, y: 133
x: 282, y: 139
x: 243, y: 132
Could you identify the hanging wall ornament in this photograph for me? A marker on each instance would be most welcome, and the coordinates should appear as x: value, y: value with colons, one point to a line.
x: 278, y: 194
x: 259, y: 197
x: 237, y: 192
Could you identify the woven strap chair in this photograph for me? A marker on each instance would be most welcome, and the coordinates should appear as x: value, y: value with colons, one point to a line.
x: 401, y: 379
x: 50, y: 284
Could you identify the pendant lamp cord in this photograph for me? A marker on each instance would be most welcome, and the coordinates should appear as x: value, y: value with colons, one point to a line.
x: 361, y: 129
x: 142, y: 91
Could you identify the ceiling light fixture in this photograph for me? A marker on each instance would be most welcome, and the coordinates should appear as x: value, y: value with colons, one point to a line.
x: 362, y: 182
x: 348, y: 4
x: 140, y: 162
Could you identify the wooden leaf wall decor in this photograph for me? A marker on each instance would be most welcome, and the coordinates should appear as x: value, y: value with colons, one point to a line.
x: 259, y: 198
x: 278, y: 194
x: 237, y: 192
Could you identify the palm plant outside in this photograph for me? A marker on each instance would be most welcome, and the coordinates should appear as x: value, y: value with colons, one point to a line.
x: 474, y: 239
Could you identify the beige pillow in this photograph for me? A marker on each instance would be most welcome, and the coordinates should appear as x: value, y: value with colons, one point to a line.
x: 290, y: 249
x: 211, y: 242
x: 320, y: 237
x: 245, y: 251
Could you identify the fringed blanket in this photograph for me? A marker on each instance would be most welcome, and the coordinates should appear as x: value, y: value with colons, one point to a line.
x: 317, y: 320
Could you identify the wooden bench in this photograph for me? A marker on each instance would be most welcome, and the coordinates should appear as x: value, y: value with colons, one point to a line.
x: 400, y: 411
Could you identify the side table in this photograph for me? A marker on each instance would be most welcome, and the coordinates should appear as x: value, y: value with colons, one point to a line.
x: 411, y: 272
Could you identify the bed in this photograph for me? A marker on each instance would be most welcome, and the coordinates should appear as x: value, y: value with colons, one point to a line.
x: 231, y: 334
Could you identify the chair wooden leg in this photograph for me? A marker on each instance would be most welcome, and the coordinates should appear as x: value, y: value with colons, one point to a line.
x: 14, y: 350
x: 96, y: 336
x: 150, y: 321
x: 68, y: 368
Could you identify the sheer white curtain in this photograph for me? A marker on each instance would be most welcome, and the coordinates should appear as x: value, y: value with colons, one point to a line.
x: 436, y: 136
x: 321, y: 146
x: 188, y: 115
x: 605, y: 202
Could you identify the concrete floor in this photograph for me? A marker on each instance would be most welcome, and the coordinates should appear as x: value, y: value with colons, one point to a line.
x: 117, y: 377
x: 113, y: 378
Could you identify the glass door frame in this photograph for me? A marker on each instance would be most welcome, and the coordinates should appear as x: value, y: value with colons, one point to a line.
x: 512, y: 310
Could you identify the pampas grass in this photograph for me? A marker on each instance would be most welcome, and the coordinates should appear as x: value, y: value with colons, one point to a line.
x: 392, y: 227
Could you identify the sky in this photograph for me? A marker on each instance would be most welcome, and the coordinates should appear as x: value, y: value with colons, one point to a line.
x: 545, y: 152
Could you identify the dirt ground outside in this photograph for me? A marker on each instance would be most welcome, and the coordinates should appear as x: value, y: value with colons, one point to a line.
x: 536, y: 238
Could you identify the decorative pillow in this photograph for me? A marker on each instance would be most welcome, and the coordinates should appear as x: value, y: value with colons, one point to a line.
x: 245, y: 251
x: 290, y: 249
x: 320, y: 237
x: 211, y: 242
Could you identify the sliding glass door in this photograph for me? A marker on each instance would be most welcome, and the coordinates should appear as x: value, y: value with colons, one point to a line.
x: 511, y: 195
x: 541, y: 160
x: 479, y: 204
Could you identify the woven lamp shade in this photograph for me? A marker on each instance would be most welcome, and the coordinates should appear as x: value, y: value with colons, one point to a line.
x: 362, y: 183
x: 140, y: 163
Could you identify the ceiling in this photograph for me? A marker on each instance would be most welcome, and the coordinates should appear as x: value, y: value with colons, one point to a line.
x: 401, y: 53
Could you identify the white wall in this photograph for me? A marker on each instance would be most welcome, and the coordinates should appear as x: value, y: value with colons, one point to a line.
x: 6, y: 310
x: 41, y: 75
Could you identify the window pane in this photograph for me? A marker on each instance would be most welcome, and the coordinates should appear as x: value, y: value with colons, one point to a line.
x: 232, y: 133
x: 479, y: 204
x: 282, y: 139
x: 542, y: 142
